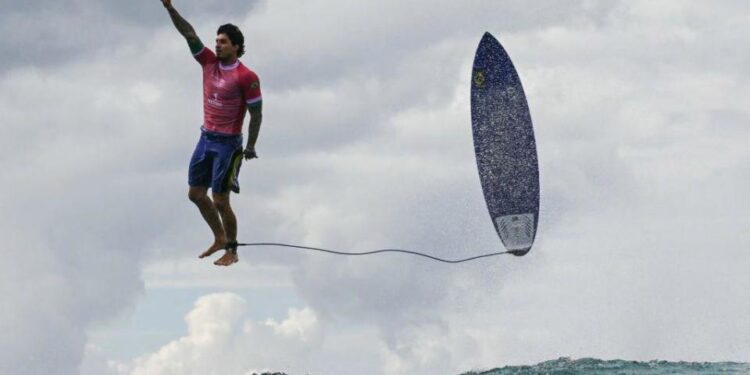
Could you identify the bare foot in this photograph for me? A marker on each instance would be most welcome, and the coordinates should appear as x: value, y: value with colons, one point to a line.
x: 230, y: 257
x: 218, y: 245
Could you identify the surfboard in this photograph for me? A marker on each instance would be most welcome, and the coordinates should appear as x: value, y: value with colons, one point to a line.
x: 505, y: 146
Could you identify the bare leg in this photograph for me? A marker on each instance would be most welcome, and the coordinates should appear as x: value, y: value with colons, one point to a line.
x: 221, y: 202
x: 199, y: 196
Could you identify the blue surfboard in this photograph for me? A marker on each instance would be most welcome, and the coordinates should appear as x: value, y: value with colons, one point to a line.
x: 505, y: 146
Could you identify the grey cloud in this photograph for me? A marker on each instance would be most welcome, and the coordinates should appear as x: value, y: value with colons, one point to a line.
x: 346, y: 42
x: 46, y: 33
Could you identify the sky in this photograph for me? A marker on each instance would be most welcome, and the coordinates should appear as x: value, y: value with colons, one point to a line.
x: 641, y: 115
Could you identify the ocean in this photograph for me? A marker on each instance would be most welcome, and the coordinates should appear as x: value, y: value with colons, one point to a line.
x: 584, y: 366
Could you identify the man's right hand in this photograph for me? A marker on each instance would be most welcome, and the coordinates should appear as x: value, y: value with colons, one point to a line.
x: 250, y: 153
x: 167, y: 3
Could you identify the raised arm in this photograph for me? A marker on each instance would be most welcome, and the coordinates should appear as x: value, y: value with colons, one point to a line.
x: 184, y: 27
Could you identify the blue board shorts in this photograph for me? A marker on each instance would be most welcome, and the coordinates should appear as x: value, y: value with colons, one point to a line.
x: 216, y: 162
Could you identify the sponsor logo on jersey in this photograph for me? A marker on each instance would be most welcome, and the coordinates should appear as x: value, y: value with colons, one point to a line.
x: 214, y: 101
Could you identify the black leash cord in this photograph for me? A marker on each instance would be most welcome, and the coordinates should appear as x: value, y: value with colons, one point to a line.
x: 374, y: 252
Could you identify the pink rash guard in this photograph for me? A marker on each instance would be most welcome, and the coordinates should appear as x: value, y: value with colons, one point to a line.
x: 227, y: 91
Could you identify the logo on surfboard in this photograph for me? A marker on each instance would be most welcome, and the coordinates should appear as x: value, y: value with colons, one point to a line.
x: 479, y: 79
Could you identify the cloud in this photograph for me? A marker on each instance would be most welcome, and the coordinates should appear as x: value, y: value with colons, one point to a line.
x: 63, y: 32
x: 74, y: 214
x: 222, y: 340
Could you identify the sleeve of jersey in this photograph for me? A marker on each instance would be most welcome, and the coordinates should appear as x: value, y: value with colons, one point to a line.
x: 205, y: 56
x: 252, y: 89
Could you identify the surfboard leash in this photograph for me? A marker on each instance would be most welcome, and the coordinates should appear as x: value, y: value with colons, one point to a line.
x: 453, y: 261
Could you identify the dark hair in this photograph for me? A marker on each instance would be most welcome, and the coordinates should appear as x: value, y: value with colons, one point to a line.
x: 235, y: 36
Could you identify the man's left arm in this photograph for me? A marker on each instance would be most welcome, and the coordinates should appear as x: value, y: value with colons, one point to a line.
x: 256, y: 117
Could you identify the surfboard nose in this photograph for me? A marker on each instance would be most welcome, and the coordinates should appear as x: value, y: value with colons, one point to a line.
x: 481, y: 57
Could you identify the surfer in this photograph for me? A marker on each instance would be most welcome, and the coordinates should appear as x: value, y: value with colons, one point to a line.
x: 228, y: 88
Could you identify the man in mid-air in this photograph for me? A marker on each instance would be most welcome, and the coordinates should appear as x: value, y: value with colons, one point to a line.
x: 228, y: 89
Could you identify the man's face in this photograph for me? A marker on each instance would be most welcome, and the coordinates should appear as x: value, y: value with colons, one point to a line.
x: 224, y: 48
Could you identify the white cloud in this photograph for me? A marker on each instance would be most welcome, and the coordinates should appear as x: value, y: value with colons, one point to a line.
x: 222, y: 340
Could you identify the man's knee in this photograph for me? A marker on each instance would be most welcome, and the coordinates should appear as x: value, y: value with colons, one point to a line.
x: 197, y: 194
x: 221, y: 201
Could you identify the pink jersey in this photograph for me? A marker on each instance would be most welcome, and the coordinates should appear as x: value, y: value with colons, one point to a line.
x: 227, y: 90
